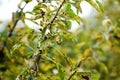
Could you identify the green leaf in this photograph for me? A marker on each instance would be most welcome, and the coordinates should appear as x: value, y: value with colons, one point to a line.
x: 69, y: 11
x: 64, y: 24
x: 61, y: 71
x: 29, y: 12
x: 92, y: 2
x: 61, y: 24
x: 69, y: 24
x: 96, y: 4
x: 20, y: 15
x: 41, y: 6
x: 37, y: 11
x: 95, y: 76
x: 103, y: 67
x: 71, y: 14
x: 69, y: 35
x: 100, y: 6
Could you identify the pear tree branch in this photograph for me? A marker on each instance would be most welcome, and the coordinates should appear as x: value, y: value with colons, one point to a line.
x: 50, y: 24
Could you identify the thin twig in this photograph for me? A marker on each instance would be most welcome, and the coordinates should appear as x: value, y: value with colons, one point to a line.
x: 56, y: 14
x: 11, y: 31
x: 78, y: 65
x: 72, y: 75
x: 14, y: 25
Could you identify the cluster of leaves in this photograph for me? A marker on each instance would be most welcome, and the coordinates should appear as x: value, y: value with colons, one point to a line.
x: 54, y: 53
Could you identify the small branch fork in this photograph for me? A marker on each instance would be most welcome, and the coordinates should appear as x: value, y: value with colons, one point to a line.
x: 50, y: 24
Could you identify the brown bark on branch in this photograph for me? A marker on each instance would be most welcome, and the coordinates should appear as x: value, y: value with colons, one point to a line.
x: 50, y: 24
x: 36, y: 61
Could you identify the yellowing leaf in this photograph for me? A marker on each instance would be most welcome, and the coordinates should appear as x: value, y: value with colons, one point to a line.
x: 68, y: 59
x: 62, y: 69
x: 16, y: 46
x: 118, y: 35
x: 109, y: 43
x: 77, y: 4
x: 83, y: 43
x: 111, y: 35
x: 77, y: 18
x: 103, y: 67
x: 70, y: 11
x: 12, y: 60
x: 22, y: 50
x: 23, y: 17
x: 31, y: 70
x: 80, y: 57
x: 46, y: 67
x: 54, y: 58
x: 5, y: 50
x: 80, y: 44
x: 10, y: 40
x: 98, y: 36
x: 36, y: 79
x: 40, y: 74
x: 116, y: 42
x: 66, y: 3
x: 67, y: 16
x: 73, y: 61
x: 87, y: 52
